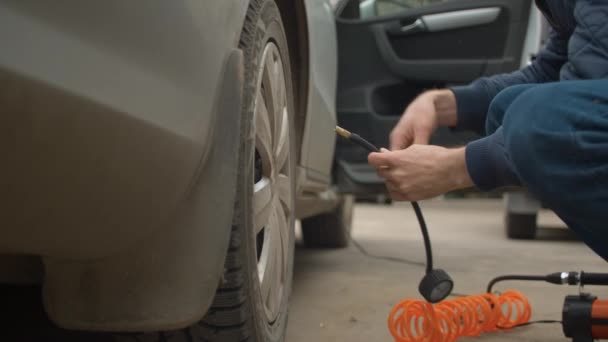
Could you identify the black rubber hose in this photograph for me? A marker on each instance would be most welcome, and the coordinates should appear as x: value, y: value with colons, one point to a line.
x: 363, y: 143
x: 593, y: 278
x: 425, y: 236
x: 425, y: 232
x: 514, y: 277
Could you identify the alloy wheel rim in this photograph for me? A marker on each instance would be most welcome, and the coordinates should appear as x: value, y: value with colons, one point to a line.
x: 272, y: 204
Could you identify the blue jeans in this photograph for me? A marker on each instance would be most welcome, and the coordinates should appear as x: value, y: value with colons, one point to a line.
x: 556, y: 136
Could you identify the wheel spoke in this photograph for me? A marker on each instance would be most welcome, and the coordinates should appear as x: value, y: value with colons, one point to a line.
x: 269, y: 82
x: 284, y: 227
x: 277, y: 270
x: 266, y: 286
x: 267, y: 262
x: 263, y: 134
x: 284, y: 191
x: 262, y: 203
x: 273, y: 82
x: 282, y: 146
x: 279, y: 104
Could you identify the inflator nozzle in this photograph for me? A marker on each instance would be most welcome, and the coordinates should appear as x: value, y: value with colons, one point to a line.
x: 562, y: 278
x: 436, y: 286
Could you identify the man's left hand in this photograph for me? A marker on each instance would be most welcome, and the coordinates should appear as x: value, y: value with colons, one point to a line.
x: 421, y: 171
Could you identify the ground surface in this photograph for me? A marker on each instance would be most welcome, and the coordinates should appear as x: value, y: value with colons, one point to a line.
x: 342, y: 295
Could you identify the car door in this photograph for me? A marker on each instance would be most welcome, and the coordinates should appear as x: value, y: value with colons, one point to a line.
x: 392, y: 50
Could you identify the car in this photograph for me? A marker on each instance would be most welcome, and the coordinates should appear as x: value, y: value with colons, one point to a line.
x: 157, y: 154
x: 156, y: 157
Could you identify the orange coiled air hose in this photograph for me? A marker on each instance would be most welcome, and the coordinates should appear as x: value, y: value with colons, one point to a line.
x: 419, y: 321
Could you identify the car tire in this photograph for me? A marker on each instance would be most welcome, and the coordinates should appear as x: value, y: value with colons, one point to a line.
x: 332, y: 229
x: 521, y: 226
x: 250, y: 303
x: 241, y: 310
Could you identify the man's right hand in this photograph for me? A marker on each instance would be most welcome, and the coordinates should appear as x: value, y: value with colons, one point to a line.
x: 428, y: 111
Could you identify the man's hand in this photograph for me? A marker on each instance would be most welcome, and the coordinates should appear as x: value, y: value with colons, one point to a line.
x: 422, y: 117
x: 421, y: 172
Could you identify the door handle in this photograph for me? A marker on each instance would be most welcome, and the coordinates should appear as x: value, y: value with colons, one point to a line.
x: 416, y: 26
x: 446, y: 21
x: 460, y: 19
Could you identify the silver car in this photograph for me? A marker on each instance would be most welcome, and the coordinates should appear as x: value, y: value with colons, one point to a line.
x: 156, y: 156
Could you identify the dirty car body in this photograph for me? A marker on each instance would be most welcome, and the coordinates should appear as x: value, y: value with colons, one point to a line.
x: 119, y: 169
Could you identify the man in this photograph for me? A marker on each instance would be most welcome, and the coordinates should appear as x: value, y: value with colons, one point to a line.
x: 546, y: 128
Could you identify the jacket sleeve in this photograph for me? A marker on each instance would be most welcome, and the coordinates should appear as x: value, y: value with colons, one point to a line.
x: 474, y: 100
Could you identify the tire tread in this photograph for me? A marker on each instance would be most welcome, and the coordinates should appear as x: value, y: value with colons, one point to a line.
x: 227, y: 318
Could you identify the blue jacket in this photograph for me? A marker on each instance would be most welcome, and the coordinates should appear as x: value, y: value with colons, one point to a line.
x: 577, y: 49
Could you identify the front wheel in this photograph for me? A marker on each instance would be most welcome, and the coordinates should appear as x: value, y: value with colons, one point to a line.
x: 521, y: 226
x: 332, y: 229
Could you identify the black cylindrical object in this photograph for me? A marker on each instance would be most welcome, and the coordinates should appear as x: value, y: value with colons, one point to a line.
x: 363, y: 143
x: 585, y: 318
x: 576, y: 317
x: 436, y: 286
x: 593, y: 278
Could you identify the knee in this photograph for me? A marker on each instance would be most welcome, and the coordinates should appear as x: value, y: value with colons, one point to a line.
x: 555, y: 138
x: 531, y: 120
x: 500, y: 104
x: 530, y: 135
x: 519, y: 140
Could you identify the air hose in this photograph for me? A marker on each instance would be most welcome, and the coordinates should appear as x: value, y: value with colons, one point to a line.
x: 436, y: 285
x: 437, y: 319
x: 420, y: 321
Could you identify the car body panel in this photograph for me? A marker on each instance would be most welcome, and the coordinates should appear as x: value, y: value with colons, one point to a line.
x: 168, y: 280
x: 319, y: 137
x: 534, y: 36
x: 113, y: 142
x: 120, y: 136
x: 96, y: 95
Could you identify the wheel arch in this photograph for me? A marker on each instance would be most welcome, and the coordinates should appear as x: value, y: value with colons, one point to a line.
x: 294, y: 16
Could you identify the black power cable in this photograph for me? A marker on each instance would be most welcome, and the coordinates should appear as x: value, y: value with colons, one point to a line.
x: 514, y: 277
x: 367, y: 254
x: 558, y: 278
x: 425, y: 237
x: 541, y: 321
x: 364, y: 251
